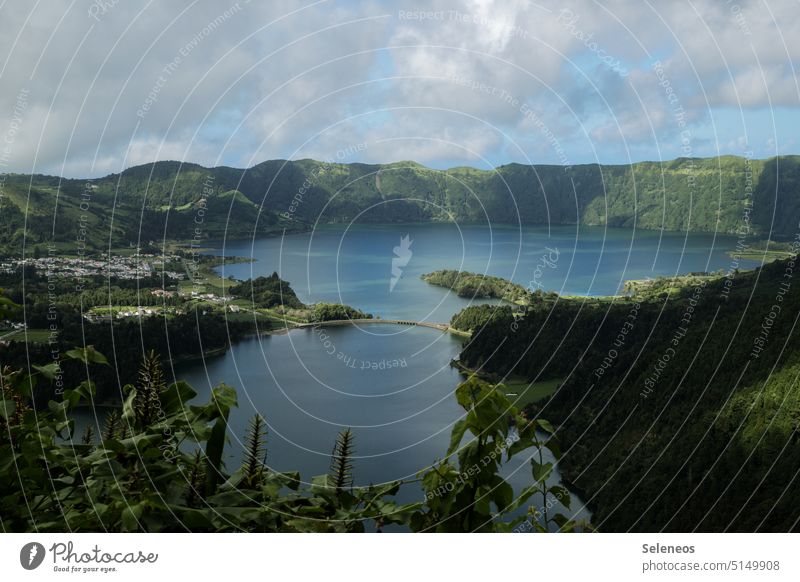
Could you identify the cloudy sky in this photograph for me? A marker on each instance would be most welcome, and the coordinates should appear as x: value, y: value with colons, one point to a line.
x: 89, y: 88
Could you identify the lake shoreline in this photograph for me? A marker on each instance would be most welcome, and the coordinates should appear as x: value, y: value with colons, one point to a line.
x: 354, y: 267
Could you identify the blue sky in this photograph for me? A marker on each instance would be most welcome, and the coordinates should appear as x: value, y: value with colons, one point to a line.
x: 90, y: 87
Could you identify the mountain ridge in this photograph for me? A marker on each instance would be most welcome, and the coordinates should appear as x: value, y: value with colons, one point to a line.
x: 725, y: 194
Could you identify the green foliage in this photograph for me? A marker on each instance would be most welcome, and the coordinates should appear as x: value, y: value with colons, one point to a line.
x: 146, y: 396
x: 336, y: 312
x: 664, y: 286
x: 112, y: 428
x: 471, y: 495
x: 7, y: 307
x: 202, y: 328
x: 224, y: 398
x: 776, y: 202
x: 477, y: 316
x: 680, y: 408
x: 268, y: 292
x: 13, y: 403
x: 183, y: 336
x: 341, y: 472
x: 169, y: 476
x: 87, y: 355
x: 194, y: 482
x: 147, y: 201
x: 88, y: 435
x: 255, y: 456
x: 477, y: 286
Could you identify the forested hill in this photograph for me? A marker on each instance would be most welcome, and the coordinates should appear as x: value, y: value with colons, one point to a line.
x: 187, y: 200
x: 678, y: 411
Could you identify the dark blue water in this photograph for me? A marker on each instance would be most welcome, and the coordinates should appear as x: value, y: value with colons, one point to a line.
x: 394, y: 390
x: 392, y: 384
x: 354, y: 265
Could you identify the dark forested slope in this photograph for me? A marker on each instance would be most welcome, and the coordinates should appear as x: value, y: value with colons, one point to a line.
x: 677, y: 413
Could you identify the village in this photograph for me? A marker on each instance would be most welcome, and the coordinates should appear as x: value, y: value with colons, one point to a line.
x: 192, y: 292
x: 131, y: 267
x: 204, y: 303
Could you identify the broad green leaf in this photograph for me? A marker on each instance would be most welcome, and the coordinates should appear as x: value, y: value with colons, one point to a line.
x: 196, y: 519
x: 564, y: 525
x: 541, y: 471
x: 176, y: 396
x: 214, y: 449
x: 522, y: 498
x: 49, y: 371
x: 482, y: 497
x: 85, y: 390
x: 561, y: 494
x: 552, y: 445
x: 390, y: 488
x: 546, y: 426
x: 128, y: 413
x: 130, y: 516
x: 87, y: 355
x: 224, y: 397
x: 459, y: 428
x: 319, y: 483
x: 503, y: 494
x: 519, y: 445
x: 230, y: 498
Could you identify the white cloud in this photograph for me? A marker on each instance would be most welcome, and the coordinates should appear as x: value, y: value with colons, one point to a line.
x: 449, y: 85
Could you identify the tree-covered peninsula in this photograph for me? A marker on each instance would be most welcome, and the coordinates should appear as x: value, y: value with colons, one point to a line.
x: 478, y: 286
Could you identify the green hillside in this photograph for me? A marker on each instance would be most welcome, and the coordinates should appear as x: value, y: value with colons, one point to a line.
x: 165, y: 198
x: 677, y: 411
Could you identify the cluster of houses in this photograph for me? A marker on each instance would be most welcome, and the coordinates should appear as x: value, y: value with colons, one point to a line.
x: 209, y: 297
x: 116, y: 267
x: 105, y: 314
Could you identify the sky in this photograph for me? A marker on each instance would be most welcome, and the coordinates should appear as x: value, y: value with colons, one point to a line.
x: 89, y: 88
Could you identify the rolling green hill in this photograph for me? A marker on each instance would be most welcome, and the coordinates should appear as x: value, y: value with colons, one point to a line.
x: 183, y: 201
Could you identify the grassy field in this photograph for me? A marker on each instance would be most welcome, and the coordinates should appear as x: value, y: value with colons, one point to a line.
x: 206, y: 280
x: 527, y: 392
x: 248, y: 316
x: 34, y: 336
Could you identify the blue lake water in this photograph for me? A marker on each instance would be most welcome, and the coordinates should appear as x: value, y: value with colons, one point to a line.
x: 393, y: 384
x: 354, y: 265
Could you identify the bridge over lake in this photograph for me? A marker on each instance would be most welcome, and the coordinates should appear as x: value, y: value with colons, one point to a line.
x: 409, y: 322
